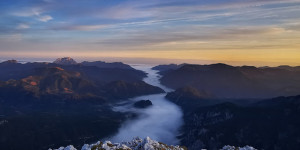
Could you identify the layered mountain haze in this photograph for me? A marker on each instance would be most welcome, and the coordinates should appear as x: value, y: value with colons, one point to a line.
x: 9, y: 62
x: 225, y: 81
x: 165, y: 68
x: 102, y: 64
x: 104, y: 73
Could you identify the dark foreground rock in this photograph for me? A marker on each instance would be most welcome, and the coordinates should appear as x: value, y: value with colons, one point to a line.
x: 40, y: 126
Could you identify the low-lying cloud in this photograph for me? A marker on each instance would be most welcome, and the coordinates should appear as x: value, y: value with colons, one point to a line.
x: 161, y: 121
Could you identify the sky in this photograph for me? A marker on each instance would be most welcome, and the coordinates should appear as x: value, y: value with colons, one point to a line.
x: 237, y: 32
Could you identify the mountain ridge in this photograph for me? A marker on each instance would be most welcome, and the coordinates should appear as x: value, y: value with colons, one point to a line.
x: 63, y: 84
x: 140, y: 144
x: 267, y: 124
x: 225, y: 81
x: 65, y: 61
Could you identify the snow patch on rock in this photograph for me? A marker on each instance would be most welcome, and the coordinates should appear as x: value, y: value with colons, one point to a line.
x: 227, y: 147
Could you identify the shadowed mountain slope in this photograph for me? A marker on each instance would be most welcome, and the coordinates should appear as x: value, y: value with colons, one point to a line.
x: 267, y: 124
x: 225, y: 81
x: 14, y: 70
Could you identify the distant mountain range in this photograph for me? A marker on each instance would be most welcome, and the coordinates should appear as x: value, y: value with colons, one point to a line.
x: 100, y: 64
x: 166, y: 68
x: 72, y: 81
x: 225, y: 81
x: 97, y: 71
x: 46, y: 105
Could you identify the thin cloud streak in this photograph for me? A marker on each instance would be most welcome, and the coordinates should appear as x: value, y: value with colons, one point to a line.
x: 45, y: 18
x: 149, y: 25
x: 23, y: 26
x: 196, y: 33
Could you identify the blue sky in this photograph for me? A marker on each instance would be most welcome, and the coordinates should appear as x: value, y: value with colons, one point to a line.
x: 215, y: 30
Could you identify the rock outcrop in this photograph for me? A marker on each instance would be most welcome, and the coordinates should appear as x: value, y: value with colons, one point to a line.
x: 65, y: 61
x: 135, y: 144
x: 140, y: 144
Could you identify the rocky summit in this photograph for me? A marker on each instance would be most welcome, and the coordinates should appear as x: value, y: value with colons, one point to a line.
x: 65, y: 61
x: 135, y: 144
x: 140, y: 144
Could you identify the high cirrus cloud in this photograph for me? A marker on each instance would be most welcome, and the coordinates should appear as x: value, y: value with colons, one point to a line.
x: 79, y: 27
x: 35, y: 12
x: 45, y: 18
x: 153, y: 25
x: 23, y: 26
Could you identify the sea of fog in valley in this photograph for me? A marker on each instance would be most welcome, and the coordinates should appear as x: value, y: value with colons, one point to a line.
x: 161, y: 121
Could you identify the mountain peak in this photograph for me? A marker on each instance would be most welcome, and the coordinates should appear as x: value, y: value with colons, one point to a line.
x: 140, y: 144
x: 65, y: 61
x: 136, y: 143
x: 12, y: 61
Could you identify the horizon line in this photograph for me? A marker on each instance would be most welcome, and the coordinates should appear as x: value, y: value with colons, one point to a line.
x: 145, y: 61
